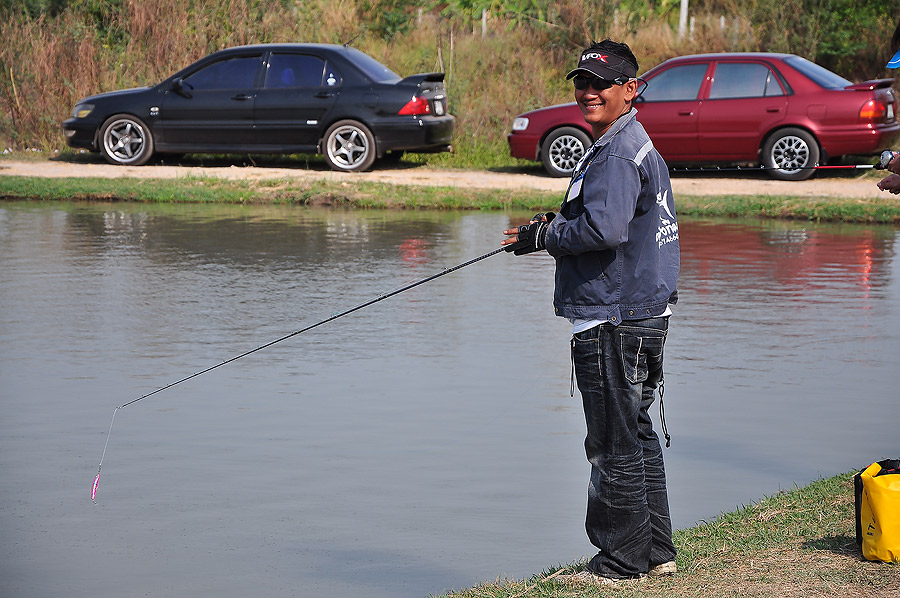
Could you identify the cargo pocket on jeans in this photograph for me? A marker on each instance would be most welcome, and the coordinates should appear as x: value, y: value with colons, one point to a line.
x: 640, y: 354
x: 634, y: 359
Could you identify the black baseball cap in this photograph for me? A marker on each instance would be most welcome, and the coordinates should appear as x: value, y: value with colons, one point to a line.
x: 606, y: 65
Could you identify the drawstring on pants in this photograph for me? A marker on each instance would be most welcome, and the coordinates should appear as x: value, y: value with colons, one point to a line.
x: 662, y: 412
x: 572, y: 379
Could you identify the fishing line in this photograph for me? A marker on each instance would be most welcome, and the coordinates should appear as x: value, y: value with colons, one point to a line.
x: 382, y: 297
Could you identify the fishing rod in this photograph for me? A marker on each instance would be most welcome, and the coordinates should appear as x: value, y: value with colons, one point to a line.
x: 761, y: 167
x: 382, y: 297
x: 883, y: 160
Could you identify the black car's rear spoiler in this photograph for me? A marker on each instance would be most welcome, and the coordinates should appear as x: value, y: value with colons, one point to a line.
x: 870, y: 85
x: 422, y: 77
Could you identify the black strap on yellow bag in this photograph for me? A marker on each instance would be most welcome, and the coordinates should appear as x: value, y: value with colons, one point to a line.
x: 877, y: 494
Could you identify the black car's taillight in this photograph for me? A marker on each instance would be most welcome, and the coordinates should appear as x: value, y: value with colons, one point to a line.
x: 417, y: 106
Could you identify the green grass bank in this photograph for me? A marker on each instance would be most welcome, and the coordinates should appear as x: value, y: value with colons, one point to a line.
x: 800, y: 542
x: 367, y: 195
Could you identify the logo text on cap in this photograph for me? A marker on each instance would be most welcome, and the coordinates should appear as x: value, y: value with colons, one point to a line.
x: 594, y: 56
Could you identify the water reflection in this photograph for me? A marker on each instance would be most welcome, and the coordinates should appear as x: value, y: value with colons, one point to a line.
x: 425, y: 443
x: 794, y: 260
x: 781, y: 352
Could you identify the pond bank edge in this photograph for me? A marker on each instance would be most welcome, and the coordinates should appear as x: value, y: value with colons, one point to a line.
x: 800, y: 542
x: 367, y: 195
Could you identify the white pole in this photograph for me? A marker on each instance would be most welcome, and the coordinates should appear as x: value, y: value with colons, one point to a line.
x: 682, y: 19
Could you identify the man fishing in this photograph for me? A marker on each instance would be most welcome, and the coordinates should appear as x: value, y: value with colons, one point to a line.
x: 615, y: 240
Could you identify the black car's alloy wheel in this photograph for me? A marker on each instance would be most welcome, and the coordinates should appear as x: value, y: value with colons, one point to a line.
x: 126, y: 140
x: 349, y: 146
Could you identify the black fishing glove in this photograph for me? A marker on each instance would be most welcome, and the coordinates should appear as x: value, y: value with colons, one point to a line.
x: 532, y: 237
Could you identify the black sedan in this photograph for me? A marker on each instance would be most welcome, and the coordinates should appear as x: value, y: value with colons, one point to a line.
x: 271, y: 98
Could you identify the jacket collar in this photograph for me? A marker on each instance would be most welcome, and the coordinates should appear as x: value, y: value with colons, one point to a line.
x: 616, y: 126
x: 589, y: 155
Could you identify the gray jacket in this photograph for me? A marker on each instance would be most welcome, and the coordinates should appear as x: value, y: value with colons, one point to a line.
x: 615, y: 238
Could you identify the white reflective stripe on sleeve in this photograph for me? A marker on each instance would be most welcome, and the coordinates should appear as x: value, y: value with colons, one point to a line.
x: 642, y: 153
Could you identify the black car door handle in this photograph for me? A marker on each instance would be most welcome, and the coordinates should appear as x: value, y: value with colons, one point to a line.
x: 325, y: 94
x: 241, y: 96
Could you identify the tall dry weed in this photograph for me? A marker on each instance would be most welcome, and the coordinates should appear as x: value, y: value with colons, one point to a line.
x: 46, y: 63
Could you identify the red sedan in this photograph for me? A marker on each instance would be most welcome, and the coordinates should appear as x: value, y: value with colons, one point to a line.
x: 778, y: 110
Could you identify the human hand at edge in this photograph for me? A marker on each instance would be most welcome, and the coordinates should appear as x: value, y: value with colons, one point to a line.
x: 891, y: 182
x: 894, y: 164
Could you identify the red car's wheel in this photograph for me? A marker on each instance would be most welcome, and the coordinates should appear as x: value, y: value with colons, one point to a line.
x: 562, y: 149
x: 789, y: 153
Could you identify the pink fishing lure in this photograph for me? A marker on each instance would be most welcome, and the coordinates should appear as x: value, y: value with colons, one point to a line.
x: 95, y: 486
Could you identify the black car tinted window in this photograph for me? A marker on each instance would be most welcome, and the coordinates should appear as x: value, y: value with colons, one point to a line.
x: 231, y: 73
x: 373, y: 69
x: 817, y: 73
x: 294, y: 70
x: 743, y: 80
x: 676, y: 83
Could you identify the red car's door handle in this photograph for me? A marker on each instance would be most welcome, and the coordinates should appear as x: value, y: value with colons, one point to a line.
x: 685, y: 113
x: 777, y: 109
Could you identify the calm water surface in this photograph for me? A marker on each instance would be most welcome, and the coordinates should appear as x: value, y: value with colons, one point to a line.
x: 425, y: 443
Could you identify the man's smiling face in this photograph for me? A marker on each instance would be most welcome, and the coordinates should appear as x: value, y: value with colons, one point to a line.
x: 602, y: 108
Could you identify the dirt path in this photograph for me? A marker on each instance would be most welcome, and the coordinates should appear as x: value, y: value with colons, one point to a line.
x: 689, y: 184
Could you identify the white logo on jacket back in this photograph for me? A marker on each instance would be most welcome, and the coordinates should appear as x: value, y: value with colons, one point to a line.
x: 668, y: 227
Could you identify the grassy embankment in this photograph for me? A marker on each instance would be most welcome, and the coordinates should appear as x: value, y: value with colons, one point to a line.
x: 365, y: 195
x: 796, y: 543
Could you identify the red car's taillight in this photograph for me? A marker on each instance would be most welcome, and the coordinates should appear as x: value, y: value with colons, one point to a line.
x: 415, y: 107
x: 873, y: 110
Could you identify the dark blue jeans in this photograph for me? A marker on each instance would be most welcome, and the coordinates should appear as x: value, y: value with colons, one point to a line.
x: 618, y: 369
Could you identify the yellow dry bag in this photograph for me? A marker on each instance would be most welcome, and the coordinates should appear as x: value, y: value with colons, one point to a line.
x: 877, y: 493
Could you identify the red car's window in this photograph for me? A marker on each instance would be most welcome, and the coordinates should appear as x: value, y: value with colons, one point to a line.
x: 677, y: 83
x: 819, y: 74
x: 744, y: 80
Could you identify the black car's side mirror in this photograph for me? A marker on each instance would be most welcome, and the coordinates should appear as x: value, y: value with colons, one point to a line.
x: 181, y: 88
